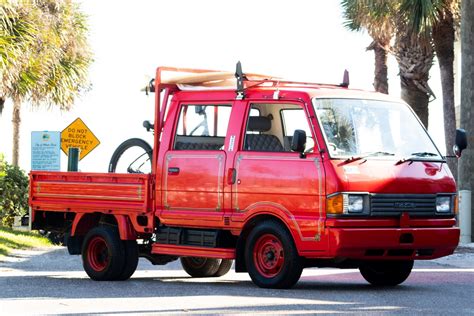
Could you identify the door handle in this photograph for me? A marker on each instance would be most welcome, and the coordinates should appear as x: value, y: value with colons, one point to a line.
x: 231, y: 176
x: 173, y: 171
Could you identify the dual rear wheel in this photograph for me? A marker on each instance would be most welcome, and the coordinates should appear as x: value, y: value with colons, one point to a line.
x: 107, y: 258
x: 199, y: 267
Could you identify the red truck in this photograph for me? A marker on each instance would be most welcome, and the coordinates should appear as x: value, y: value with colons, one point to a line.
x: 277, y: 175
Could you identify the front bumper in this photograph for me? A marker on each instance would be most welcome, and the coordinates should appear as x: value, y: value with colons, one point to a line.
x: 392, y: 243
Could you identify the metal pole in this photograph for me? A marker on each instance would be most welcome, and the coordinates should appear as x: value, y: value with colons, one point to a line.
x: 465, y: 215
x: 73, y: 159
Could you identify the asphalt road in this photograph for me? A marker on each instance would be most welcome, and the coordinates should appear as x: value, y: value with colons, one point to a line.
x: 52, y: 282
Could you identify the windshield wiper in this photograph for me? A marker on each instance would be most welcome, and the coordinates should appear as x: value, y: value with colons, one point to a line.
x: 372, y: 154
x: 415, y: 156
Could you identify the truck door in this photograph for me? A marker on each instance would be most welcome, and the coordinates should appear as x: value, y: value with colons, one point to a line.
x: 270, y: 178
x: 194, y: 167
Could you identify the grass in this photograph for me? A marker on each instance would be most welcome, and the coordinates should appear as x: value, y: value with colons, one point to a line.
x: 12, y: 239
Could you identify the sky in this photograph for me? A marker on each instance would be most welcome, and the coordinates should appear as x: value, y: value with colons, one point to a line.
x: 299, y: 40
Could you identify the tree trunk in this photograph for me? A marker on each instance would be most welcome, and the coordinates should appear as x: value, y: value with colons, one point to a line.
x: 380, y: 71
x: 16, y: 131
x: 415, y: 57
x: 443, y: 37
x: 418, y: 100
x: 2, y: 104
x: 466, y: 163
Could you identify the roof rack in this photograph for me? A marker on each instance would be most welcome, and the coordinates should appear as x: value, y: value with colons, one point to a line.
x: 189, y: 79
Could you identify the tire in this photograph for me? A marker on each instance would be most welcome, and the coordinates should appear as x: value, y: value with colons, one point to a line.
x: 103, y: 254
x: 131, y: 260
x: 386, y: 273
x: 271, y: 256
x: 224, y: 267
x: 199, y: 267
x: 132, y: 156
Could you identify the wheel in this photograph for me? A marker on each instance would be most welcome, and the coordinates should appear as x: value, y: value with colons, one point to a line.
x: 132, y: 156
x: 131, y: 260
x: 199, y: 267
x: 224, y: 267
x: 271, y: 256
x: 103, y: 254
x: 386, y: 273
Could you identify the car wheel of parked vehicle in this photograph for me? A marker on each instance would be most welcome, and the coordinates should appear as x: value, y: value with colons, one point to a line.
x: 131, y: 259
x: 199, y: 267
x: 132, y: 156
x: 386, y: 273
x: 103, y: 254
x: 224, y: 267
x: 271, y: 256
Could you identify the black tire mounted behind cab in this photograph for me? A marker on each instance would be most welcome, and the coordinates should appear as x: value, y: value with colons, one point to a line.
x: 126, y: 145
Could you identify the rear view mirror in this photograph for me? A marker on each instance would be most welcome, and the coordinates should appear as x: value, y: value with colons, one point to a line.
x: 460, y: 143
x: 298, y: 142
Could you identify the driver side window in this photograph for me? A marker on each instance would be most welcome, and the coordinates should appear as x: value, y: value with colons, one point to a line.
x: 202, y: 127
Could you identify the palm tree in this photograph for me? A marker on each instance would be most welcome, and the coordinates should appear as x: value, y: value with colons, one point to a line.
x: 46, y: 64
x: 466, y: 163
x: 437, y: 20
x: 414, y: 54
x: 375, y: 17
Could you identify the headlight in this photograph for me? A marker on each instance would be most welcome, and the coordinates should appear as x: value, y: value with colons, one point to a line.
x: 355, y: 203
x: 443, y: 204
x: 344, y: 203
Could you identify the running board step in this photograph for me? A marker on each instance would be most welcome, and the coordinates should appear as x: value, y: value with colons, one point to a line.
x: 192, y: 251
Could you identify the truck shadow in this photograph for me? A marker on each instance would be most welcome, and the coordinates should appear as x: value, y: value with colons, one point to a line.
x: 55, y: 274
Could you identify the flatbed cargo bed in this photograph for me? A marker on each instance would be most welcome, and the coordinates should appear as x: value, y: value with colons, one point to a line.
x: 89, y: 192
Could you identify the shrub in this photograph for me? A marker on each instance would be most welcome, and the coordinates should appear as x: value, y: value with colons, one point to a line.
x: 13, y: 192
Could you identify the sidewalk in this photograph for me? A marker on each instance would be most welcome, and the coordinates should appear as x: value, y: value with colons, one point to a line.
x: 463, y: 257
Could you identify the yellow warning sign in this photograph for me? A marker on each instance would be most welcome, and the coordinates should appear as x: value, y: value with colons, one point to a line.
x: 78, y: 135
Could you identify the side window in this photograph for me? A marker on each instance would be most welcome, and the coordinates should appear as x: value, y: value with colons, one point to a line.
x: 202, y: 127
x: 293, y: 119
x: 262, y: 132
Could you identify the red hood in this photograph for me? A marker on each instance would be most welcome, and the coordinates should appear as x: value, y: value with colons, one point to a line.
x: 383, y: 176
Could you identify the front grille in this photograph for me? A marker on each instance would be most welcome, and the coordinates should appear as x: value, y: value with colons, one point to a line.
x: 396, y: 204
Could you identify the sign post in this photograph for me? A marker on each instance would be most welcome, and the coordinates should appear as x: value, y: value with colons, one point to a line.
x: 45, y: 151
x: 78, y: 135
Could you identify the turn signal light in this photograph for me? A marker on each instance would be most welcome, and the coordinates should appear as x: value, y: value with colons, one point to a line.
x: 456, y: 205
x: 335, y: 204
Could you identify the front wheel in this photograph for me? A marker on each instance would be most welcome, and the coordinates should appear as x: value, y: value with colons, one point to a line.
x: 271, y: 256
x: 386, y: 273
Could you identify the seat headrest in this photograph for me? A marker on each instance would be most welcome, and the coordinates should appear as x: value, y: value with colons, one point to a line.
x: 259, y: 124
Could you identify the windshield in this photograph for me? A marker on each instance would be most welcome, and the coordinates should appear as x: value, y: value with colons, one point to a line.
x: 356, y: 128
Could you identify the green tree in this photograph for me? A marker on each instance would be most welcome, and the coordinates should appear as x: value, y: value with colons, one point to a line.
x: 376, y: 18
x: 44, y: 56
x: 413, y: 51
x: 13, y: 192
x: 437, y: 20
x: 422, y: 28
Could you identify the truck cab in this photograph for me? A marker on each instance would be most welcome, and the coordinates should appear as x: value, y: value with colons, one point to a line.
x: 278, y: 175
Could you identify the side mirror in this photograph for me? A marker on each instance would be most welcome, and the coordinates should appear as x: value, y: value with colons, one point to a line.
x: 460, y: 143
x: 298, y: 142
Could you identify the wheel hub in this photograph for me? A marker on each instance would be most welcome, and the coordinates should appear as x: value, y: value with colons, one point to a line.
x: 268, y: 255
